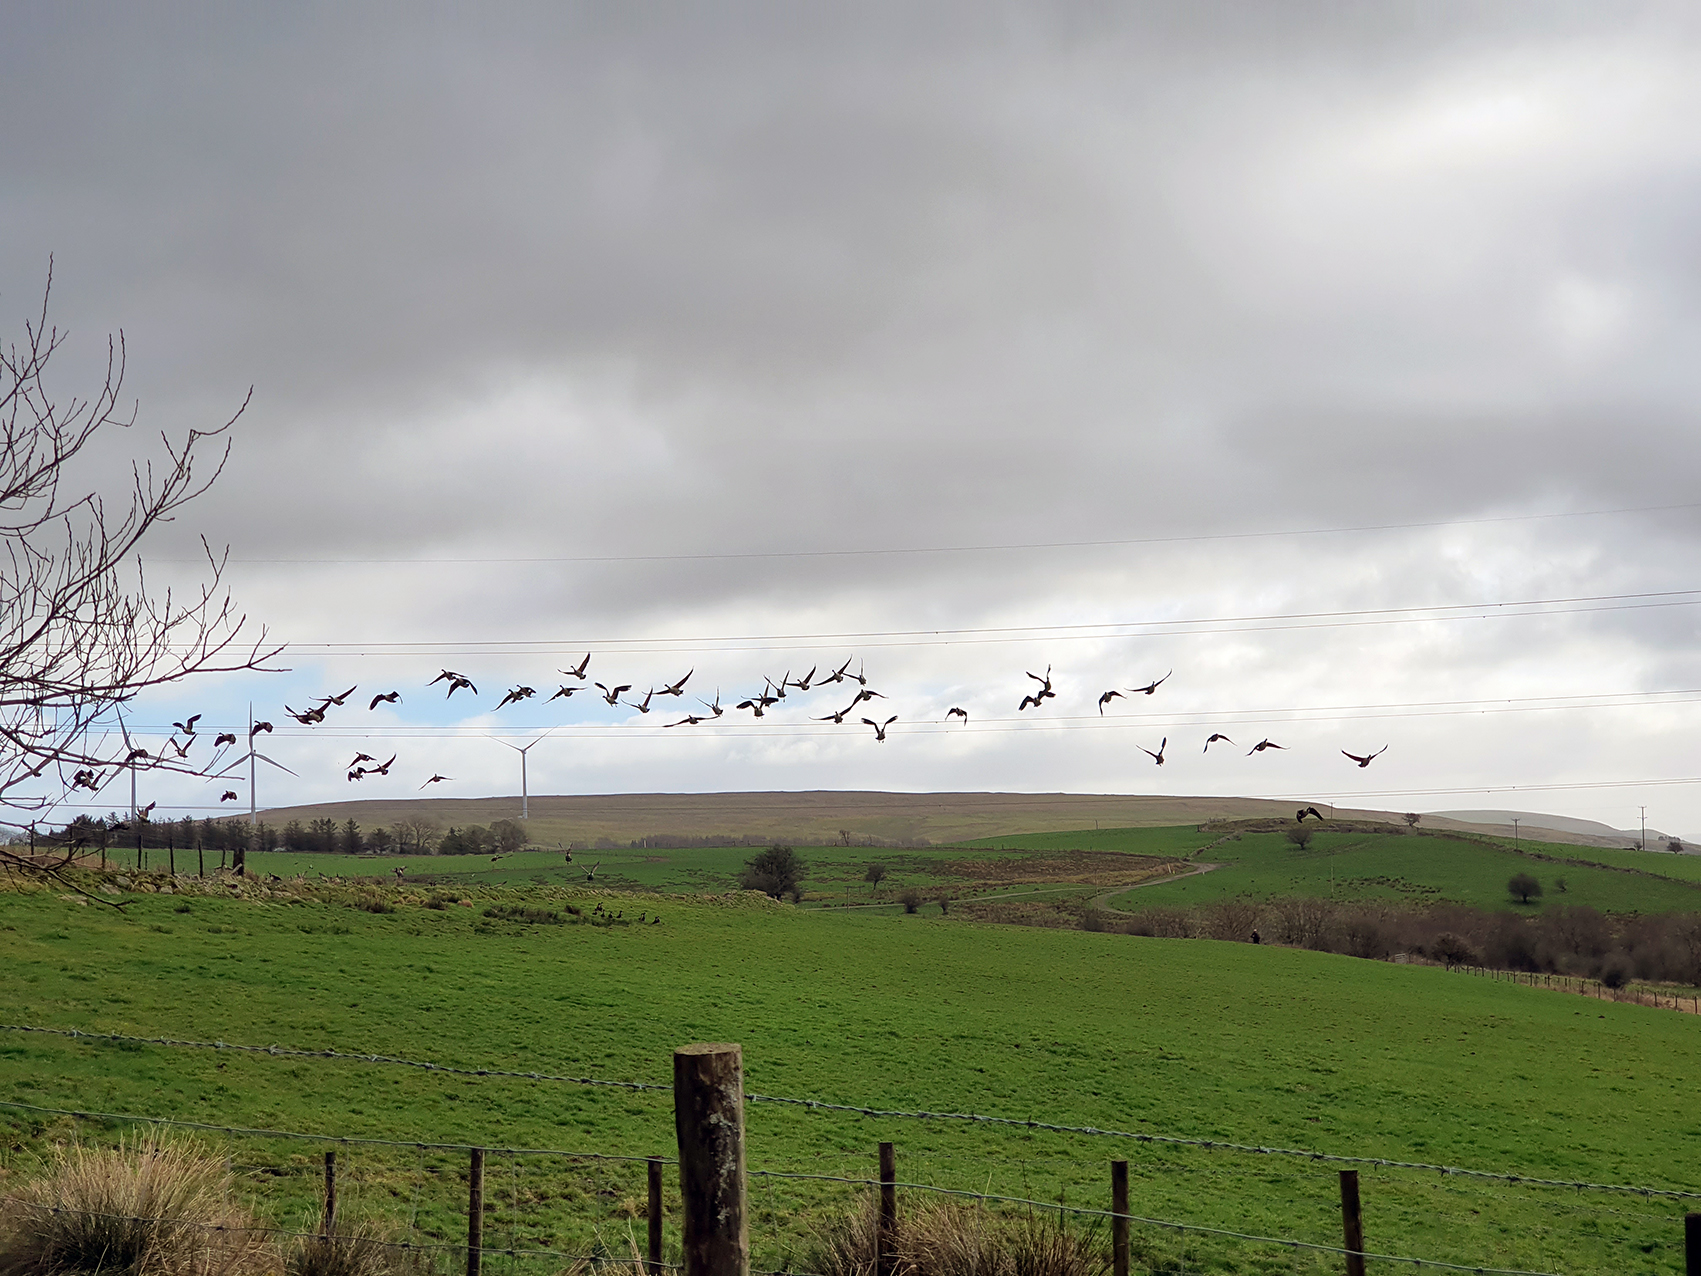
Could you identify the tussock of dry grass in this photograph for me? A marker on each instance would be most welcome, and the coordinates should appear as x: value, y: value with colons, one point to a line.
x: 141, y: 1209
x: 360, y: 1249
x: 953, y: 1239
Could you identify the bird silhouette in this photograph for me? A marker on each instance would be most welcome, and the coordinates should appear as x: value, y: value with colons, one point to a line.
x: 866, y: 694
x: 188, y: 728
x: 307, y: 718
x: 861, y: 674
x: 229, y: 796
x: 1150, y: 687
x: 688, y: 720
x: 1045, y: 682
x: 1213, y: 738
x: 1313, y: 812
x: 1157, y: 757
x: 362, y: 757
x: 838, y: 675
x: 182, y: 749
x: 802, y: 684
x: 382, y: 770
x: 678, y: 688
x: 1366, y: 761
x: 338, y: 700
x: 1262, y: 745
x: 755, y: 704
x: 223, y: 738
x: 259, y: 727
x: 459, y: 684
x: 387, y: 697
x: 359, y: 773
x: 838, y: 717
x: 1106, y: 698
x: 579, y: 670
x: 591, y: 876
x: 516, y: 695
x: 714, y: 708
x: 566, y: 692
x: 1030, y: 702
x: 86, y: 780
x: 612, y: 694
x: 643, y: 706
x: 147, y: 810
x: 778, y: 688
x: 955, y: 712
x: 137, y: 753
x: 880, y: 727
x: 436, y: 779
x: 448, y: 675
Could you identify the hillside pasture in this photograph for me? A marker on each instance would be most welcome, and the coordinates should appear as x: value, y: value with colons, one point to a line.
x: 1216, y: 1041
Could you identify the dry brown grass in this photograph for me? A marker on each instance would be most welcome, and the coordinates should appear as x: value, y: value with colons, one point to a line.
x: 143, y: 1209
x: 357, y: 1249
x: 956, y: 1239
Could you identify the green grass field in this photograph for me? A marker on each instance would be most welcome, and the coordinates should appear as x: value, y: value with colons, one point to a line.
x: 1218, y: 1041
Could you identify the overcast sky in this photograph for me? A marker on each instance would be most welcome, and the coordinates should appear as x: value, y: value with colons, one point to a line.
x: 751, y: 337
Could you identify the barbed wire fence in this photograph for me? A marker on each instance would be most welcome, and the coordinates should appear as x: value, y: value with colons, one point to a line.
x: 549, y: 1208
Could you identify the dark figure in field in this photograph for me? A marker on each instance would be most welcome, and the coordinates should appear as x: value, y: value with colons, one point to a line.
x: 1255, y: 938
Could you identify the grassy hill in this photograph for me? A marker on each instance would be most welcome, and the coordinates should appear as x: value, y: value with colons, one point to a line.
x: 1218, y: 1041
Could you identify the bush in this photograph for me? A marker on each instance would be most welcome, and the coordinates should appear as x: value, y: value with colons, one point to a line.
x: 1451, y: 950
x: 911, y: 900
x: 876, y: 873
x: 1524, y: 887
x: 1616, y: 972
x: 1301, y: 834
x: 158, y: 1208
x: 776, y: 871
x: 961, y: 1240
x: 360, y: 1250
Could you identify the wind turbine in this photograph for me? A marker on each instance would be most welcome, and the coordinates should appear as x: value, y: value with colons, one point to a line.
x: 525, y: 798
x: 253, y: 755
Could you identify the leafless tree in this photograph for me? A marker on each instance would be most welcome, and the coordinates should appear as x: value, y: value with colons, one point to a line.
x: 79, y: 634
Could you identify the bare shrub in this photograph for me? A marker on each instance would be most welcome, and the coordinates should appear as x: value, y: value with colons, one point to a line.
x: 956, y: 1239
x: 1452, y: 950
x: 1162, y: 923
x: 1302, y: 922
x: 911, y: 900
x: 146, y: 1209
x: 361, y: 1249
x: 1366, y: 932
x: 1301, y: 834
x: 1233, y: 919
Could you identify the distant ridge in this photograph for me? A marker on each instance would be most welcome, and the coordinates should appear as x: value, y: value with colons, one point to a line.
x: 826, y: 815
x: 1547, y: 827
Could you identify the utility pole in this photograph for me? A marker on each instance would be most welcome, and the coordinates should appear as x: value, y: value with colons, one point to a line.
x: 1514, y: 833
x: 1644, y: 842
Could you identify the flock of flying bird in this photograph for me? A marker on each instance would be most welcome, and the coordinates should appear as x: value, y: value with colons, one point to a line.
x: 772, y: 693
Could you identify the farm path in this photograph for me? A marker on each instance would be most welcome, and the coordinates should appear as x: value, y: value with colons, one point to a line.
x: 1103, y: 901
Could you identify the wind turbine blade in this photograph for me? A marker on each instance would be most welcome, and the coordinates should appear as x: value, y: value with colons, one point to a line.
x: 279, y: 765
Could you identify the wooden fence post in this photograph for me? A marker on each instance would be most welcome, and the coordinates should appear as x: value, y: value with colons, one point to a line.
x: 475, y: 1212
x: 886, y: 1238
x: 1352, y: 1223
x: 655, y: 1251
x: 328, y: 1224
x: 708, y: 1119
x: 1119, y: 1225
x: 1692, y: 1244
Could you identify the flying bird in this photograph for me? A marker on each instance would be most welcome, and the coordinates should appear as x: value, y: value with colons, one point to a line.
x: 188, y: 728
x: 362, y: 757
x: 182, y: 749
x: 1033, y: 701
x: 866, y: 694
x: 458, y: 683
x: 448, y: 675
x: 955, y: 712
x: 643, y: 706
x: 1213, y: 738
x: 838, y: 675
x: 259, y: 727
x: 1313, y: 812
x: 86, y: 780
x: 1045, y: 682
x: 678, y: 688
x: 612, y: 694
x: 592, y: 875
x: 579, y: 671
x: 436, y: 779
x: 565, y: 692
x: 1157, y: 757
x: 229, y: 796
x: 802, y: 684
x: 359, y: 773
x: 147, y: 810
x: 1150, y: 687
x: 137, y: 753
x: 516, y: 695
x: 778, y: 688
x: 1262, y: 745
x: 1366, y: 761
x: 382, y: 770
x: 338, y: 700
x: 714, y: 708
x: 755, y: 704
x: 861, y: 675
x: 1106, y: 698
x: 838, y: 717
x: 388, y: 697
x: 307, y: 719
x: 223, y: 738
x: 687, y: 721
x: 880, y: 727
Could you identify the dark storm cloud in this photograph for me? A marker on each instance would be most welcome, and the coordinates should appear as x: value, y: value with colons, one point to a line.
x: 545, y: 283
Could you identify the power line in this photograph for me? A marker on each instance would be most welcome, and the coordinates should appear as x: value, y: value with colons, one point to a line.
x: 1095, y: 631
x: 737, y: 556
